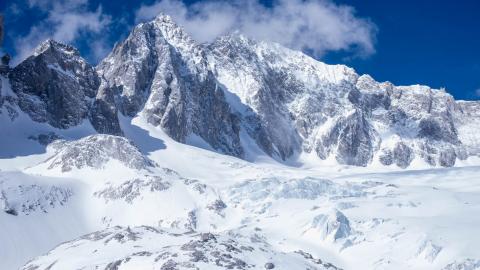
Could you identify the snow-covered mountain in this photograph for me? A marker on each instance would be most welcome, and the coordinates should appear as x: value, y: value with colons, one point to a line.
x: 238, y: 154
x: 160, y: 72
x: 306, y: 106
x: 237, y: 90
x: 54, y: 85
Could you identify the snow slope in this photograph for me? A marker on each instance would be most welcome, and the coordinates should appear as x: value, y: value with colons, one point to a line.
x: 353, y: 218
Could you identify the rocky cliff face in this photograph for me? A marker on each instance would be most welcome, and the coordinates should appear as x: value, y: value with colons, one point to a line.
x: 305, y: 105
x: 55, y: 85
x: 160, y: 72
x: 415, y: 121
x: 287, y: 102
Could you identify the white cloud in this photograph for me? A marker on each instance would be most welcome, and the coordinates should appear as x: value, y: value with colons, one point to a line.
x: 314, y: 25
x: 65, y: 21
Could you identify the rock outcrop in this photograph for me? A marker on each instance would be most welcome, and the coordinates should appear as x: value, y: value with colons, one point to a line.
x: 95, y: 151
x: 55, y: 85
x: 123, y: 248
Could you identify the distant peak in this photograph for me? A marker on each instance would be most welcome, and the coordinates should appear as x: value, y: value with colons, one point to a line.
x: 51, y: 44
x: 236, y: 36
x: 166, y: 22
x: 162, y: 17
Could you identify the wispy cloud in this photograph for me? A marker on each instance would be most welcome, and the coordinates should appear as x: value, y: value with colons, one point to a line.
x: 64, y: 21
x: 317, y: 26
x: 477, y: 92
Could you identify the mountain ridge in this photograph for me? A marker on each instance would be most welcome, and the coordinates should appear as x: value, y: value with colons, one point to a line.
x: 288, y: 103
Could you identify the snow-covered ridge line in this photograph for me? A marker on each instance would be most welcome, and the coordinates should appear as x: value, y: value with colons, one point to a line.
x: 237, y: 91
x: 56, y: 45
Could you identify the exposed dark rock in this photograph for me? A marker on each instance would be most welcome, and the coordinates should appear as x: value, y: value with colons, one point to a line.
x: 402, y: 155
x: 113, y: 265
x: 386, y: 157
x: 45, y: 139
x: 55, y: 85
x: 447, y: 157
x: 217, y: 206
x: 5, y: 64
x: 104, y: 113
x: 11, y: 211
x: 205, y: 237
x: 169, y: 265
x: 269, y: 265
x: 437, y: 130
x: 191, y: 221
x: 6, y: 60
x: 353, y: 139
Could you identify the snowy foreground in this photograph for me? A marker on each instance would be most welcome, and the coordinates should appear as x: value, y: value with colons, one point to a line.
x: 100, y: 202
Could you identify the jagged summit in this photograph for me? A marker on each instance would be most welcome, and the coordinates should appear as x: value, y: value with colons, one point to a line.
x: 51, y: 44
x: 162, y: 74
x: 308, y: 106
x: 164, y: 18
x: 288, y: 103
x: 55, y: 85
x: 165, y: 23
x: 238, y: 44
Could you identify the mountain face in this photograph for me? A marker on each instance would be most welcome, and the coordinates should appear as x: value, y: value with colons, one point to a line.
x: 286, y: 102
x: 305, y: 105
x: 160, y: 72
x: 55, y: 85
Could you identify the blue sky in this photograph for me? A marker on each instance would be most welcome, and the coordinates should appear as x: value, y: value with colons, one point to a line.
x: 436, y: 43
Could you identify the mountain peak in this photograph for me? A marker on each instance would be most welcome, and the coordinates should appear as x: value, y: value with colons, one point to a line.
x: 54, y: 45
x: 166, y: 24
x: 159, y: 68
x: 162, y: 17
x: 59, y: 80
x: 173, y: 33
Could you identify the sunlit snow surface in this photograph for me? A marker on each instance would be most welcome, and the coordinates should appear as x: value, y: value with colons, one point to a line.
x: 353, y: 218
